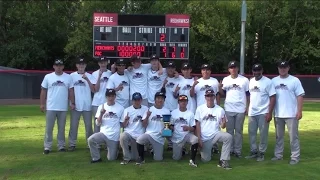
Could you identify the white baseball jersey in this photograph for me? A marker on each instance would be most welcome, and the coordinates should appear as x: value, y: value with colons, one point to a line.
x: 179, y: 119
x: 210, y: 120
x: 82, y: 91
x: 260, y: 92
x: 287, y: 90
x: 139, y: 80
x: 171, y: 103
x: 202, y: 86
x: 155, y: 123
x: 100, y: 96
x: 155, y: 83
x: 236, y: 98
x: 57, y: 91
x: 110, y: 123
x: 123, y: 95
x: 134, y: 128
x: 185, y: 86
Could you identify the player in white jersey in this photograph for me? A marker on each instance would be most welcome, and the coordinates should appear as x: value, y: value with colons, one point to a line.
x: 155, y: 79
x: 101, y: 76
x: 56, y: 93
x: 209, y: 119
x: 108, y: 117
x: 185, y: 86
x: 120, y: 82
x: 183, y: 124
x: 206, y: 82
x: 152, y: 120
x: 288, y: 111
x: 236, y: 89
x: 83, y: 86
x: 133, y: 128
x: 262, y: 100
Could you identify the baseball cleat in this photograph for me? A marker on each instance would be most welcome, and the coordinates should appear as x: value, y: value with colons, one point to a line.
x: 192, y: 163
x: 224, y: 164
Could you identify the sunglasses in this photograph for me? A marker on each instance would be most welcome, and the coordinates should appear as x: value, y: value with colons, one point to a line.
x: 181, y: 98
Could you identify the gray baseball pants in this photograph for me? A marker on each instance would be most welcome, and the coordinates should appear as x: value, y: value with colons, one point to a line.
x: 74, y: 125
x: 235, y: 128
x: 255, y: 123
x: 94, y: 142
x: 125, y: 140
x: 177, y: 147
x: 157, y: 147
x: 293, y: 126
x: 51, y: 117
x: 94, y: 111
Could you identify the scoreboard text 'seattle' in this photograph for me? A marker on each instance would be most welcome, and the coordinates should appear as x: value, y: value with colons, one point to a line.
x: 121, y: 36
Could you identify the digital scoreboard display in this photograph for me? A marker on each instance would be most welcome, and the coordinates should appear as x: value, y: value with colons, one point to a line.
x: 121, y: 36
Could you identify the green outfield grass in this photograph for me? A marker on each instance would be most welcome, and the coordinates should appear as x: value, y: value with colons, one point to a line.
x: 21, y: 147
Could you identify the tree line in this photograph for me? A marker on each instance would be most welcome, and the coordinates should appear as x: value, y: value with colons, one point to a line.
x: 34, y: 33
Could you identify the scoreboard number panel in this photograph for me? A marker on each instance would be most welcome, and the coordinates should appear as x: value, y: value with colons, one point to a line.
x: 121, y: 36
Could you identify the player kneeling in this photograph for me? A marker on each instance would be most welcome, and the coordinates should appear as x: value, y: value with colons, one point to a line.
x: 133, y: 128
x: 209, y: 118
x: 108, y: 118
x: 183, y: 124
x: 152, y: 120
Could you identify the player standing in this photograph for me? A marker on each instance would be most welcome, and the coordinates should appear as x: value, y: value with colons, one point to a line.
x: 56, y: 92
x: 83, y: 86
x: 101, y: 76
x: 236, y: 89
x: 133, y: 128
x: 262, y: 100
x: 183, y: 124
x: 288, y: 110
x: 119, y: 81
x: 209, y: 119
x: 108, y: 117
x: 152, y: 120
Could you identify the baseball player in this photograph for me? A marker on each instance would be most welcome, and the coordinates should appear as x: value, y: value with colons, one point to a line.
x: 209, y: 119
x: 108, y: 117
x: 56, y: 84
x: 183, y: 124
x: 83, y: 86
x: 288, y: 110
x: 236, y: 89
x: 262, y: 100
x: 133, y: 128
x: 152, y: 120
x: 101, y: 76
x: 120, y: 82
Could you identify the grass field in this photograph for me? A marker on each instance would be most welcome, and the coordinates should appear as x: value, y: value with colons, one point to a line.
x: 21, y: 147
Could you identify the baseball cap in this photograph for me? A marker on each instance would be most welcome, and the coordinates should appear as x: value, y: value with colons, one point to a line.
x: 58, y: 62
x: 81, y: 61
x: 171, y: 64
x: 110, y: 92
x: 183, y: 98
x: 136, y: 96
x: 154, y: 56
x: 135, y: 58
x: 283, y: 64
x: 205, y: 66
x: 186, y: 66
x: 120, y: 62
x: 209, y: 92
x: 102, y: 59
x: 233, y: 64
x: 159, y: 94
x: 257, y: 67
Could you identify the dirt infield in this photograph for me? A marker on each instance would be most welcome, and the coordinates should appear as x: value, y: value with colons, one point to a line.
x: 36, y: 101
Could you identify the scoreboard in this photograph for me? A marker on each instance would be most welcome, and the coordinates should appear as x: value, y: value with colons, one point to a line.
x: 121, y: 36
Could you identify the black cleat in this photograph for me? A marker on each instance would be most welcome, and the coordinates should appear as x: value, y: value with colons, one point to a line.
x: 224, y: 164
x: 62, y: 150
x: 72, y: 148
x: 96, y: 161
x: 46, y: 152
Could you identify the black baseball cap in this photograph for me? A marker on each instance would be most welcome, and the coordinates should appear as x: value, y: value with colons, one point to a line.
x: 186, y: 66
x: 120, y: 62
x: 233, y: 64
x: 283, y: 64
x: 257, y: 67
x: 159, y: 94
x: 209, y: 92
x: 102, y: 59
x: 135, y: 58
x: 58, y: 62
x: 205, y: 66
x: 154, y: 57
x: 81, y: 61
x: 136, y: 96
x: 171, y: 64
x: 110, y: 92
x: 183, y: 98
